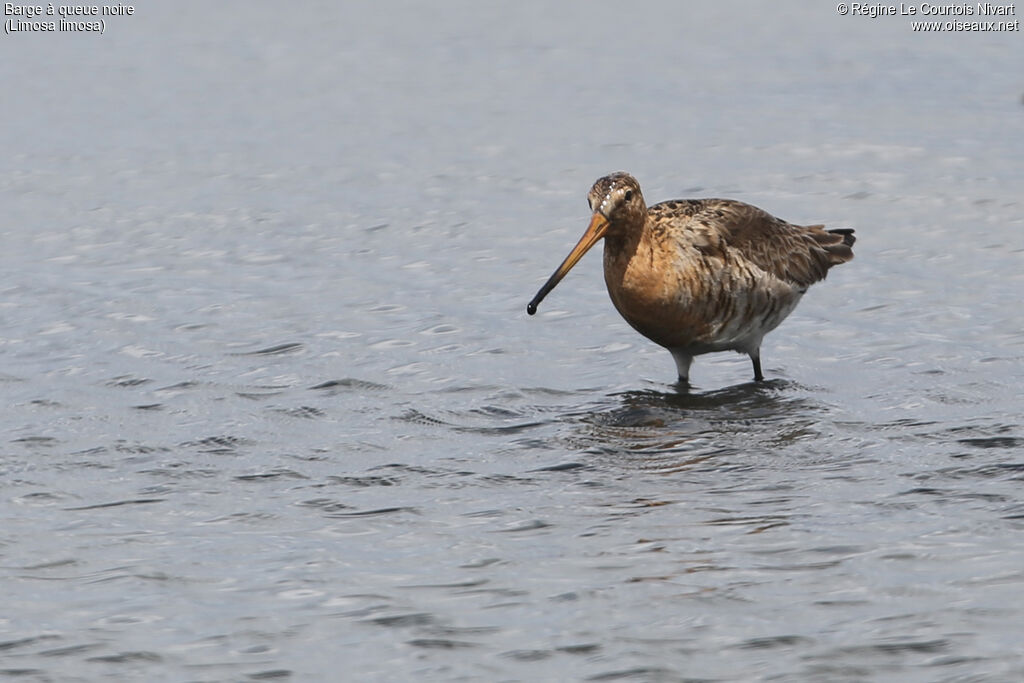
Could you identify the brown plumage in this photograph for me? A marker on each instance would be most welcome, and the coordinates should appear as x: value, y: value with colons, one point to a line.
x: 701, y: 275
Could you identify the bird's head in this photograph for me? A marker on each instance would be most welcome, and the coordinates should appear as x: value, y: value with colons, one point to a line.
x: 617, y: 207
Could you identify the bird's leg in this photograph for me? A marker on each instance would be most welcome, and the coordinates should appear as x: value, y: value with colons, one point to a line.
x: 755, y: 358
x: 683, y: 361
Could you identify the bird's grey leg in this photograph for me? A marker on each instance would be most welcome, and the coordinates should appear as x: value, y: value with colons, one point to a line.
x: 755, y: 358
x: 683, y: 361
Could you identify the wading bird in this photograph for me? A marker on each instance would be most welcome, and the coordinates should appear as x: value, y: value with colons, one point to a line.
x: 701, y: 275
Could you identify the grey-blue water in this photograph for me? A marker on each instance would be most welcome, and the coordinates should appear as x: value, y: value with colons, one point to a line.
x: 273, y: 408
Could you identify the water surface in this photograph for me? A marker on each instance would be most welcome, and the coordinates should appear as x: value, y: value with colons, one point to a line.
x: 274, y: 408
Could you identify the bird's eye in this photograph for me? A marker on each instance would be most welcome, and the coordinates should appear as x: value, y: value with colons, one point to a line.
x: 628, y: 196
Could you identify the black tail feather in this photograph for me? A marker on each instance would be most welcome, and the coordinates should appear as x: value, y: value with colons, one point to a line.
x: 847, y: 233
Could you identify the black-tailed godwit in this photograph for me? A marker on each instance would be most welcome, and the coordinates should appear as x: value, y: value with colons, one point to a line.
x: 701, y: 275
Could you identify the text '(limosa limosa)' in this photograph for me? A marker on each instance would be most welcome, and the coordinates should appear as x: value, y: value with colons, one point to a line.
x: 701, y: 275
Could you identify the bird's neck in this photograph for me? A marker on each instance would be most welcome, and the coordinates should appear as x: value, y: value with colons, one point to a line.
x: 623, y: 243
x: 623, y: 246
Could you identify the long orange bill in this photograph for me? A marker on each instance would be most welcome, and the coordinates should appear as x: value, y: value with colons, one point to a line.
x: 595, y: 231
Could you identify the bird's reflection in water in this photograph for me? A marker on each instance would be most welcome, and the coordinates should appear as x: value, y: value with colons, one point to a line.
x: 676, y: 430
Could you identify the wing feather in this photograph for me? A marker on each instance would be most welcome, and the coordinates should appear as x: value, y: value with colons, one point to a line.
x: 801, y: 254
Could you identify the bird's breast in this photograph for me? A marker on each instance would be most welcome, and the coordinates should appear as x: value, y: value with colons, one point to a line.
x: 660, y: 292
